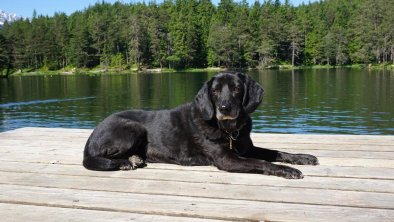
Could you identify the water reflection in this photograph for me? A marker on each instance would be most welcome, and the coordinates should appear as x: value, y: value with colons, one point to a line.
x: 300, y: 101
x: 327, y: 101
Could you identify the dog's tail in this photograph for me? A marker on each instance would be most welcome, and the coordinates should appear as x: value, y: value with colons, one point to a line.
x: 99, y: 163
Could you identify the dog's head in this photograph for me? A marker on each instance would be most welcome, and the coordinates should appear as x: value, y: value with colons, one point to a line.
x: 227, y: 95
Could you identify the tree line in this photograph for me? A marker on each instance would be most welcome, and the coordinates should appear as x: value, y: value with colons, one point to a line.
x: 197, y: 33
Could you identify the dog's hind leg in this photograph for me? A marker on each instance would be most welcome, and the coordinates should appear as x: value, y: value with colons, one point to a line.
x: 116, y: 148
x: 136, y: 162
x: 105, y: 164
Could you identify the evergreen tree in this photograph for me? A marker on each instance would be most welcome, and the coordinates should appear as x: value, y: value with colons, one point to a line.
x: 196, y: 33
x: 5, y: 54
x: 159, y: 36
x: 295, y: 39
x: 62, y: 38
x: 80, y: 45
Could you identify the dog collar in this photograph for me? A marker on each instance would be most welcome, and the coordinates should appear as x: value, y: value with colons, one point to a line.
x: 233, y: 136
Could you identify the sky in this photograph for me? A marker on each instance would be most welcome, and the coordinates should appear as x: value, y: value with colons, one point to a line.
x: 25, y: 8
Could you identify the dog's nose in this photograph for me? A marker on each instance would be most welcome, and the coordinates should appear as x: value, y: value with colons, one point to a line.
x: 225, y: 109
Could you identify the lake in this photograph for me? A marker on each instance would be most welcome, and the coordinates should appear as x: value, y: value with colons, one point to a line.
x: 329, y: 101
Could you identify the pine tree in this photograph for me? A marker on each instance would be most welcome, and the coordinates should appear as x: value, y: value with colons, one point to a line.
x: 296, y: 40
x: 62, y: 38
x: 80, y: 45
x: 196, y: 33
x: 5, y: 54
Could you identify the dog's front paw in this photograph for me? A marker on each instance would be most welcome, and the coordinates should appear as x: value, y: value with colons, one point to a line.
x: 305, y: 159
x: 289, y: 173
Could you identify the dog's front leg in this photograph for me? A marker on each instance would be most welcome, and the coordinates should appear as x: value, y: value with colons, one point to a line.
x: 299, y: 159
x: 232, y: 163
x: 278, y: 156
x: 248, y: 150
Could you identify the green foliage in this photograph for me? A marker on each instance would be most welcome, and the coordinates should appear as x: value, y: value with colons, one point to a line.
x: 195, y: 33
x: 117, y: 61
x: 173, y: 61
x: 4, y: 54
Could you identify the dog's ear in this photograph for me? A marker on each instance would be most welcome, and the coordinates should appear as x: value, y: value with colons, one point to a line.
x: 203, y: 101
x: 253, y: 94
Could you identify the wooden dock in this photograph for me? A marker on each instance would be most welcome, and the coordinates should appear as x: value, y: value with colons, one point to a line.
x: 42, y: 179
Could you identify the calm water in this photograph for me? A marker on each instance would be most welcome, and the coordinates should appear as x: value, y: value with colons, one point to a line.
x: 310, y: 101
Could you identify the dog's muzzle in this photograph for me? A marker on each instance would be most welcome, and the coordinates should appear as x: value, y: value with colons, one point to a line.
x: 223, y: 117
x: 226, y: 113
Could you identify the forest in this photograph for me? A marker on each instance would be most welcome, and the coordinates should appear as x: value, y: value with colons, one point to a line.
x: 180, y: 34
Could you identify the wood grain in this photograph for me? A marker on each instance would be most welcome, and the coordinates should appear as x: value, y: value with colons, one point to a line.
x: 41, y: 179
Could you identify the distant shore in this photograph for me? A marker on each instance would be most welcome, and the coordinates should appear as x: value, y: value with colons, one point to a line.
x: 98, y: 71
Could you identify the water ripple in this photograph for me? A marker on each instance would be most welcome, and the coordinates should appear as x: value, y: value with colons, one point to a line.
x: 34, y: 102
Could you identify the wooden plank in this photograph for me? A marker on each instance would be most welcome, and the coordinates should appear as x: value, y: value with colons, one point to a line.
x: 352, y: 185
x: 388, y: 162
x: 312, y: 137
x: 48, y: 130
x: 333, y: 161
x: 31, y: 213
x: 326, y: 146
x: 75, y: 157
x: 289, y: 139
x: 323, y: 138
x: 209, y: 190
x: 348, y: 172
x: 344, y: 153
x: 23, y: 140
x: 320, y: 170
x: 50, y: 141
x: 80, y: 143
x: 186, y: 206
x: 8, y: 146
x: 373, y: 140
x: 213, y: 177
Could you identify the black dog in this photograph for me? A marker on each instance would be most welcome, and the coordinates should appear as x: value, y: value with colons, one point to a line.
x: 212, y: 130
